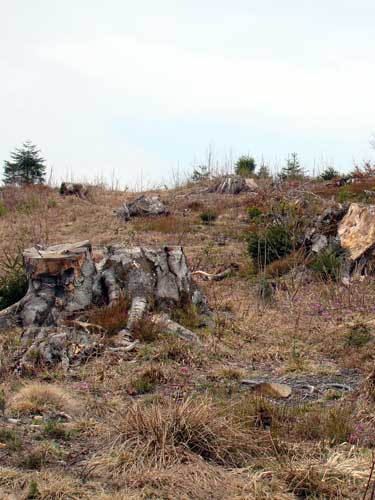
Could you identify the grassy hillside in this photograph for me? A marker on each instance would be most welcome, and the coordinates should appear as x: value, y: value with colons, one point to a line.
x: 172, y: 420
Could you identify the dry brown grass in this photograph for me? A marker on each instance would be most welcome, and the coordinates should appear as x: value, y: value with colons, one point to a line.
x: 146, y: 380
x: 194, y: 481
x: 340, y: 475
x: 119, y: 496
x: 37, y: 398
x: 168, y: 432
x: 50, y: 485
x: 167, y: 450
x: 147, y: 330
x: 169, y: 224
x: 111, y: 318
x: 173, y: 349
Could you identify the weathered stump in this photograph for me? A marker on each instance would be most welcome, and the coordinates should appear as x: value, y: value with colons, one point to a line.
x: 60, y: 282
x: 74, y: 189
x: 64, y: 281
x: 142, y: 206
x: 233, y: 184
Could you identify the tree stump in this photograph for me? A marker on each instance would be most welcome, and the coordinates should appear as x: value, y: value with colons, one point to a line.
x: 233, y: 184
x: 61, y: 280
x: 64, y: 281
x: 142, y: 206
x: 74, y: 189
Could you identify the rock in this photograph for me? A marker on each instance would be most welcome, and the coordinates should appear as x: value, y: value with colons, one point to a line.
x: 142, y: 206
x: 357, y: 230
x: 74, y: 189
x: 327, y: 222
x: 323, y: 230
x: 298, y: 276
x: 319, y: 243
x: 269, y: 389
x: 233, y: 184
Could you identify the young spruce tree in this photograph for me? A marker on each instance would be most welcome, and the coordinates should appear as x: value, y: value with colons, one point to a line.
x: 292, y: 169
x: 25, y: 167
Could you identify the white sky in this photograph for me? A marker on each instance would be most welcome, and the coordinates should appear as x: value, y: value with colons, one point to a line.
x: 140, y: 87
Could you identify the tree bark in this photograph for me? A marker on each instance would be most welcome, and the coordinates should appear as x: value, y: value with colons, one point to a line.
x: 64, y: 281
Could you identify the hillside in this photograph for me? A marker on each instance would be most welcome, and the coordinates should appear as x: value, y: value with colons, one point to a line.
x: 275, y: 401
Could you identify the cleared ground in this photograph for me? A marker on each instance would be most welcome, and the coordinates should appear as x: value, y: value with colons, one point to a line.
x: 175, y: 421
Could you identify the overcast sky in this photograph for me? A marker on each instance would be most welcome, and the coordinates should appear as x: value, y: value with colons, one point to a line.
x: 140, y: 87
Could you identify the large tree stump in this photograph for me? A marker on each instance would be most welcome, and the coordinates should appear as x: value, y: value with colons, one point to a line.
x: 142, y: 206
x: 233, y: 184
x: 64, y: 281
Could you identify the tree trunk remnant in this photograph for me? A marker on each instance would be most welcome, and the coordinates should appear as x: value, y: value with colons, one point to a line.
x: 74, y: 189
x: 142, y: 206
x: 233, y: 184
x: 64, y: 281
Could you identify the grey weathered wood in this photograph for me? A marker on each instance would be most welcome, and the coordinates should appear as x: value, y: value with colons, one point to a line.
x: 64, y: 281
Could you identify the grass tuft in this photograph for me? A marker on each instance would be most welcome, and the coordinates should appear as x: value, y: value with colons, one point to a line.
x: 37, y: 398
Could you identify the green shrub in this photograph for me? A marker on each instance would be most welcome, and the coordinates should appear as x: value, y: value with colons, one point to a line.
x: 143, y: 385
x: 329, y: 173
x: 358, y: 336
x: 208, y: 217
x: 51, y: 203
x: 272, y: 244
x: 344, y: 195
x: 328, y: 264
x: 245, y: 166
x: 253, y: 212
x: 56, y: 430
x: 13, y: 280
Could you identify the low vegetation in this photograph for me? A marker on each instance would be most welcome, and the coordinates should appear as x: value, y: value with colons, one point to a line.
x: 36, y: 398
x: 163, y: 418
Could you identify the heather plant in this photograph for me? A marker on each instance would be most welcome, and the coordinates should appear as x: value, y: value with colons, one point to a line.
x: 344, y: 195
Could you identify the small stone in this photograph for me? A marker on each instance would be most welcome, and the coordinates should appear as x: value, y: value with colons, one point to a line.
x: 319, y: 243
x: 269, y: 389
